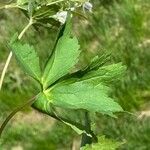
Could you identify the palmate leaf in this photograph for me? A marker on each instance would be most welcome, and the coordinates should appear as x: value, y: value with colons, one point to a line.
x: 103, y: 144
x: 65, y: 56
x: 83, y: 95
x: 27, y: 58
x: 90, y: 92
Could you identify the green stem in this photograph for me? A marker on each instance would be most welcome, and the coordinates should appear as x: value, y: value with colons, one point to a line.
x: 10, y: 54
x: 25, y: 29
x: 29, y: 102
x: 58, y: 1
x: 86, y: 139
x: 9, y: 6
x: 5, y: 69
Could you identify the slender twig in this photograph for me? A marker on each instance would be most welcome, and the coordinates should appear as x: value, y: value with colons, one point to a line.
x: 25, y: 29
x: 28, y: 103
x: 55, y: 2
x: 9, y: 6
x: 5, y: 69
x: 10, y: 54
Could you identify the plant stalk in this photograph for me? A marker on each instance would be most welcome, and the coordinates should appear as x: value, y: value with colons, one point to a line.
x: 9, y: 6
x: 29, y: 102
x: 10, y: 54
x: 55, y: 2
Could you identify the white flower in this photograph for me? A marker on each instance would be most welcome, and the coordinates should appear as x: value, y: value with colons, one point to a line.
x: 72, y: 8
x: 61, y: 16
x: 87, y: 6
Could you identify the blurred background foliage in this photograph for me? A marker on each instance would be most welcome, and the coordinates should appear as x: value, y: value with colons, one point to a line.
x: 118, y: 27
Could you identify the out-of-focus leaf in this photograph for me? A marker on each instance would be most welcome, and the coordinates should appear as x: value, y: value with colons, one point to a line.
x: 103, y: 144
x: 46, y: 11
x: 43, y: 16
x: 22, y: 2
x: 31, y: 7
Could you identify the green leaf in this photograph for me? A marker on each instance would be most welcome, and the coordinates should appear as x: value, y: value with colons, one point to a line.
x: 89, y: 92
x: 31, y: 7
x: 63, y: 59
x: 27, y: 58
x: 76, y: 126
x: 46, y: 11
x: 22, y: 2
x: 105, y: 74
x: 103, y: 144
x: 43, y: 16
x: 44, y: 105
x: 98, y: 61
x: 83, y: 95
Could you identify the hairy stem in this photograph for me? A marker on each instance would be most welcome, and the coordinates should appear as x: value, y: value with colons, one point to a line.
x: 86, y: 139
x: 10, y: 54
x: 29, y: 102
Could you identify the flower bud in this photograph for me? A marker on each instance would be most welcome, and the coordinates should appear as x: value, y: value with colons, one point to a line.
x: 61, y: 16
x: 87, y: 6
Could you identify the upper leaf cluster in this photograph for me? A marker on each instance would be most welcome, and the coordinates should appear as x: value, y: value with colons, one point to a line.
x: 60, y: 89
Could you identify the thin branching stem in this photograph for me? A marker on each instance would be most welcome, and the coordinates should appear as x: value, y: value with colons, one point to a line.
x: 9, y: 6
x: 5, y: 69
x: 28, y: 103
x: 10, y: 54
x: 55, y: 2
x: 25, y: 29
